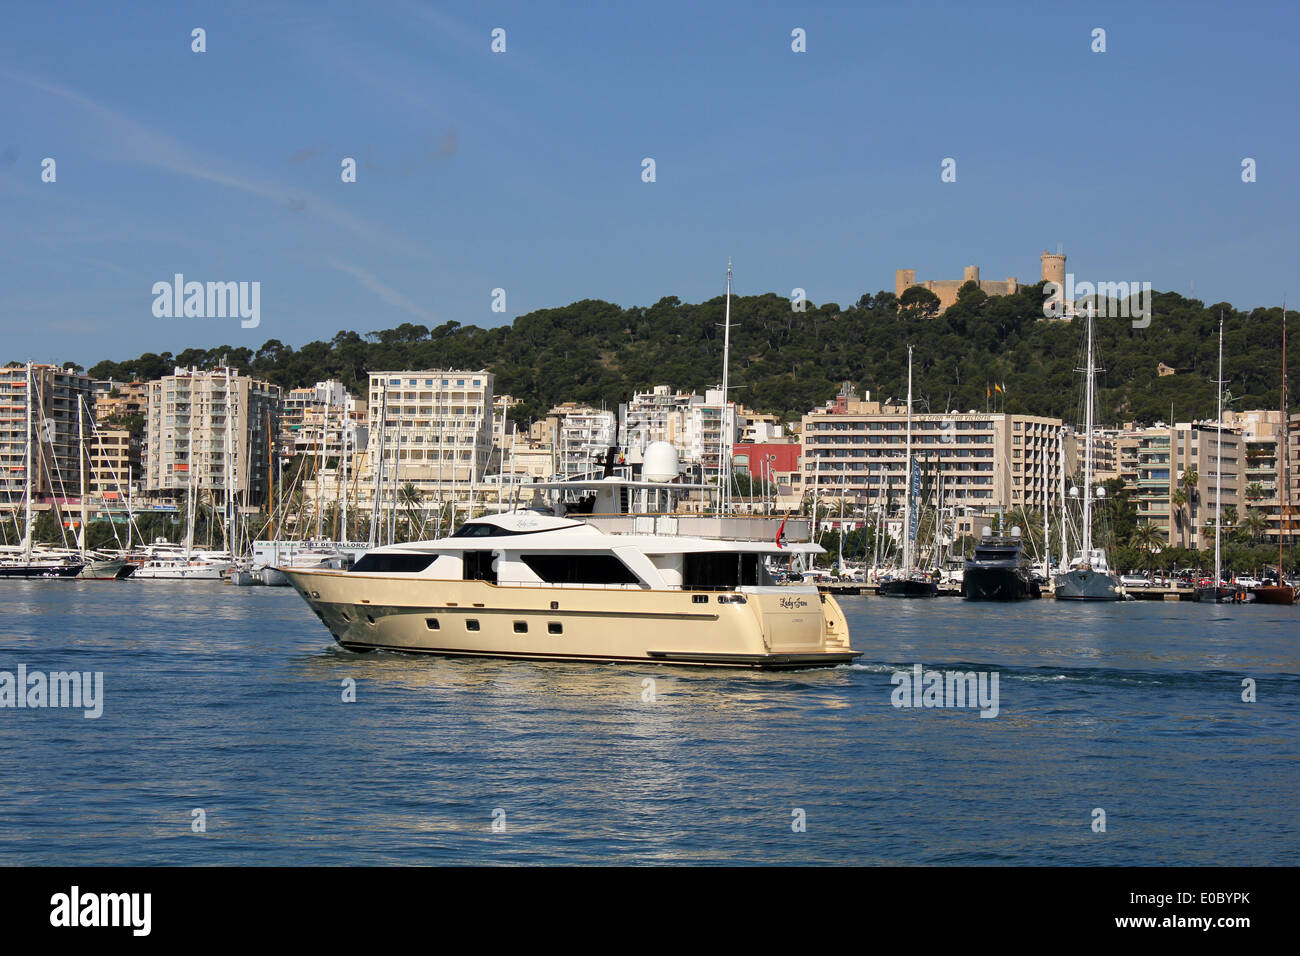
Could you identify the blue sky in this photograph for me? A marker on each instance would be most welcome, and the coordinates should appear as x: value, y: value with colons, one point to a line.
x: 522, y: 170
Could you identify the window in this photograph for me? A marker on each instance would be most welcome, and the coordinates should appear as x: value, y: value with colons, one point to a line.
x: 723, y: 570
x: 432, y: 623
x: 394, y: 563
x: 478, y: 566
x: 579, y: 568
x: 521, y: 627
x: 471, y: 624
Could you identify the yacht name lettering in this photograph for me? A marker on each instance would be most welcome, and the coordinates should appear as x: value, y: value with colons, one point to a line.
x: 35, y: 689
x: 795, y: 602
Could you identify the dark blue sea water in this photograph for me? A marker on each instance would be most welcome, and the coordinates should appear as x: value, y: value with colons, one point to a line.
x: 230, y: 700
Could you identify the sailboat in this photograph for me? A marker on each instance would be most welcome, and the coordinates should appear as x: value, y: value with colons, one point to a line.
x: 1281, y: 593
x: 1089, y: 577
x: 25, y: 561
x: 909, y: 583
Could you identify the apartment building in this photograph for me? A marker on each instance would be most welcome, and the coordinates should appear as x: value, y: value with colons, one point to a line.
x: 120, y: 400
x: 312, y: 421
x: 856, y: 450
x: 1264, y: 439
x: 113, y: 457
x: 581, y: 436
x: 436, y: 429
x: 61, y: 407
x: 214, y: 428
x: 1167, y: 457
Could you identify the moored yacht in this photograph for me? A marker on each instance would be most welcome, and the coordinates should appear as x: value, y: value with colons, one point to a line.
x: 1089, y: 577
x: 999, y: 570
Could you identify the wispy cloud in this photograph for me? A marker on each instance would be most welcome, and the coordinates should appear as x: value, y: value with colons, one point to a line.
x: 138, y: 144
x: 385, y: 292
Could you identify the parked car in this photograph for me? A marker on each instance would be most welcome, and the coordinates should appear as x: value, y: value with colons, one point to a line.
x: 1134, y: 581
x: 1249, y: 582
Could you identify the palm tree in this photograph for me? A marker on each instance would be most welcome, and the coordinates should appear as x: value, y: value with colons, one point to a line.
x: 1179, y: 501
x: 1189, y: 481
x: 1230, y: 521
x: 1254, y: 524
x: 1254, y: 490
x: 1147, y: 539
x: 411, y: 502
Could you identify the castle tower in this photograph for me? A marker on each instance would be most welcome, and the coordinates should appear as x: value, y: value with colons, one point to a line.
x: 903, y: 280
x: 970, y: 274
x: 1054, y: 267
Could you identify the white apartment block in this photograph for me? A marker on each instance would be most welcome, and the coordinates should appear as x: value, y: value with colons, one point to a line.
x: 312, y: 421
x: 692, y: 423
x: 215, y: 428
x: 437, y: 429
x: 582, y: 436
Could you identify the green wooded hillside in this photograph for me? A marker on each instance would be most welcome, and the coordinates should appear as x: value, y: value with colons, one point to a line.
x: 788, y: 362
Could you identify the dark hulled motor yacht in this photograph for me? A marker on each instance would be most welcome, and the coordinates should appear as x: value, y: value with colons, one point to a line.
x: 999, y: 570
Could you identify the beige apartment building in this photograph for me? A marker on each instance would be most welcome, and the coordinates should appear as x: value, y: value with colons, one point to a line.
x: 989, y: 463
x: 213, y: 428
x: 118, y: 400
x: 113, y: 456
x: 1166, y: 457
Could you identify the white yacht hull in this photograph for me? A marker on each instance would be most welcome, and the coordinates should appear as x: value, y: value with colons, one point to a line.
x: 768, y: 628
x: 196, y: 572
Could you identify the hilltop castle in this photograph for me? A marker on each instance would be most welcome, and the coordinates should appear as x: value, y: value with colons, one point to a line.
x: 946, y: 289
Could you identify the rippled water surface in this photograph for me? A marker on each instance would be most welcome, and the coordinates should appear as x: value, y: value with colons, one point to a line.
x: 230, y: 700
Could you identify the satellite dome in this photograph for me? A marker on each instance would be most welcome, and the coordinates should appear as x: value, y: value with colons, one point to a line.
x: 661, y: 462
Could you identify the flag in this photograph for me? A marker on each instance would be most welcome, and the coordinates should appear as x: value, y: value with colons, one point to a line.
x: 988, y: 392
x: 780, y: 534
x: 997, y: 386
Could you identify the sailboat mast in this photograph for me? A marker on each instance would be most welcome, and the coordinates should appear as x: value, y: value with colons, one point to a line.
x: 1047, y: 530
x: 27, y: 521
x: 81, y: 467
x: 1218, y: 466
x: 230, y: 481
x: 190, y: 505
x: 345, y: 424
x: 724, y: 470
x: 1284, y: 499
x: 1087, y: 461
x: 379, y: 467
x: 907, y: 476
x: 1060, y: 474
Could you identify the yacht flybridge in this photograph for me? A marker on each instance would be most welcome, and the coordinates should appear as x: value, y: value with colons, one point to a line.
x: 590, y: 585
